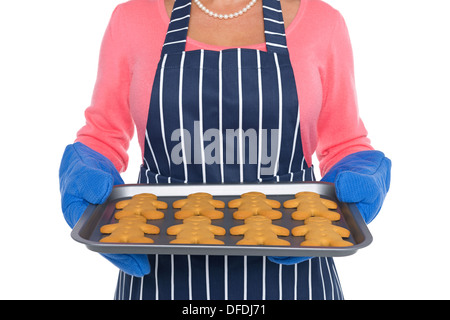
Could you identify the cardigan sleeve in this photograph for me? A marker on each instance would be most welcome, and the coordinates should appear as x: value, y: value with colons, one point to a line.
x: 340, y: 131
x: 109, y: 125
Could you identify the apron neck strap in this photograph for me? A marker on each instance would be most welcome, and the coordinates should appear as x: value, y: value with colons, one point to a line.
x: 274, y: 31
x: 178, y: 27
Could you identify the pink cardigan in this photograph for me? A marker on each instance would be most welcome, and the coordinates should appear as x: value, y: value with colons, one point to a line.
x: 321, y: 56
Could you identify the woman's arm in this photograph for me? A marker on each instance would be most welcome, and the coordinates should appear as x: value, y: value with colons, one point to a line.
x: 109, y: 125
x: 340, y: 130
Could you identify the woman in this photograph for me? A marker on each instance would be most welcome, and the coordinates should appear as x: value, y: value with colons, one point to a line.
x: 197, y: 86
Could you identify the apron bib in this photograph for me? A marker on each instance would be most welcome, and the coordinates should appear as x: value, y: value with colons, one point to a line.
x: 226, y: 116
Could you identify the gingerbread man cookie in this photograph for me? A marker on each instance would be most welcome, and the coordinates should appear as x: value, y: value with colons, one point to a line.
x: 196, y: 230
x: 255, y: 203
x: 259, y: 230
x: 319, y: 231
x: 129, y: 229
x: 198, y: 204
x: 144, y: 204
x: 310, y: 204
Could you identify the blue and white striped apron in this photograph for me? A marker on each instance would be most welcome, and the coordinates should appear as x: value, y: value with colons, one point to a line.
x: 226, y: 116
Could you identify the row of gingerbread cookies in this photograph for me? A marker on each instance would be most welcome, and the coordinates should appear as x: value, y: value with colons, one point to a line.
x: 258, y: 212
x: 314, y: 210
x: 197, y: 210
x: 196, y: 228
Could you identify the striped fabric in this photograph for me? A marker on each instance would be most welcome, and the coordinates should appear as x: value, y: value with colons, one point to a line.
x: 254, y: 137
x: 274, y: 27
x: 226, y: 116
x: 178, y: 27
x: 208, y: 278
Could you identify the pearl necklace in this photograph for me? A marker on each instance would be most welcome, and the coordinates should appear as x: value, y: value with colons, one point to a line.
x: 225, y: 16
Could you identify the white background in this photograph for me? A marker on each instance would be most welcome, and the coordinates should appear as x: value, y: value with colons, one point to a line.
x: 48, y: 60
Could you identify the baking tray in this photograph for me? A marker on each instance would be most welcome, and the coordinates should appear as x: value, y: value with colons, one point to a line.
x: 87, y: 230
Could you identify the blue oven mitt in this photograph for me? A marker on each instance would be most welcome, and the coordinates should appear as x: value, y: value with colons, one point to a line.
x: 362, y: 178
x: 85, y: 177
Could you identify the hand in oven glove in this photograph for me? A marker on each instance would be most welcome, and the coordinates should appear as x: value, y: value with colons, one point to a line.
x: 85, y: 177
x: 362, y: 178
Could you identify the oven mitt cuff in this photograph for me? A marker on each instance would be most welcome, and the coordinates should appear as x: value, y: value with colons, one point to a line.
x: 133, y: 264
x: 288, y: 260
x: 362, y: 178
x: 87, y: 177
